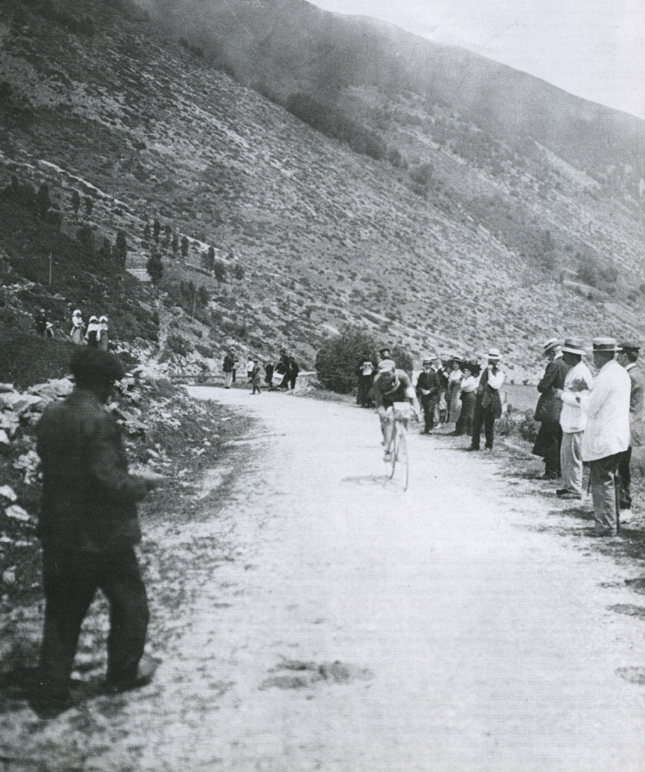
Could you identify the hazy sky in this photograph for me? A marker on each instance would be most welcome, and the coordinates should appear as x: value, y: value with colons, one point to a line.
x: 592, y: 48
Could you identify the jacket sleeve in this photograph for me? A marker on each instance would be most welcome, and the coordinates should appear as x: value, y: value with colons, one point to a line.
x: 549, y: 378
x: 108, y: 466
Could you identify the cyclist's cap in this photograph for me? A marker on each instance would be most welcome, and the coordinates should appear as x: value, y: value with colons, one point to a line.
x: 386, y: 366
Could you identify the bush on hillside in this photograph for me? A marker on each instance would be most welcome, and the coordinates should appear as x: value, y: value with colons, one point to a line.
x: 338, y: 359
x: 331, y: 122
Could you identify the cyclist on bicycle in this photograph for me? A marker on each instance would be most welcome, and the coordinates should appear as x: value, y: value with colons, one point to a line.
x: 391, y: 385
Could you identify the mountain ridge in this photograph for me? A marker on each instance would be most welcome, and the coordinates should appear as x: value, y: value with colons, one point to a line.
x: 459, y: 242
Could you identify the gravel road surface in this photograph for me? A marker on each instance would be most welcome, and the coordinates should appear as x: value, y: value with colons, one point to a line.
x: 316, y: 617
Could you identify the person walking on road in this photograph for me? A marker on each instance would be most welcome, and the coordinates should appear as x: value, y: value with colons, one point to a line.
x: 88, y: 527
x: 292, y: 373
x: 606, y: 435
x: 578, y: 383
x: 488, y: 403
x: 256, y: 377
x: 627, y: 358
x: 547, y: 411
x: 228, y: 367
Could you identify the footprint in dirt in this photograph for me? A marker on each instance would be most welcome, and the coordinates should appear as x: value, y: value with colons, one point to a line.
x: 635, y: 675
x: 306, y: 674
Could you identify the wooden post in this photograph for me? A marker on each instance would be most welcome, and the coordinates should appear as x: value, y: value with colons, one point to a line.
x: 50, y: 269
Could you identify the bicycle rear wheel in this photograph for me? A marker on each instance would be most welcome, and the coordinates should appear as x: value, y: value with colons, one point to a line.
x: 400, y: 470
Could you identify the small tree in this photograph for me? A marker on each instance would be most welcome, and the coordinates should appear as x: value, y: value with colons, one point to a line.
x: 89, y: 205
x: 156, y: 230
x: 75, y: 201
x: 154, y: 267
x: 184, y: 247
x: 337, y: 360
x: 43, y: 202
x: 120, y: 249
x: 208, y: 259
x: 85, y: 235
x: 219, y: 269
x: 146, y: 231
x: 238, y: 272
x: 174, y: 244
x: 202, y: 296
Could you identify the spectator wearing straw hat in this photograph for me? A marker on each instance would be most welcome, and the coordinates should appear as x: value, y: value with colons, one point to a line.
x: 577, y: 386
x: 606, y: 435
x: 547, y: 411
x: 627, y: 358
x: 488, y: 403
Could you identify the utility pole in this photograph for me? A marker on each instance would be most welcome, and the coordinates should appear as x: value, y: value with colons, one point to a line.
x: 50, y: 269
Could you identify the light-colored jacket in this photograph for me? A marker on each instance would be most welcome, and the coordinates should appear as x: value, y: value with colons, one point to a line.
x: 607, y: 409
x: 636, y: 405
x: 573, y: 418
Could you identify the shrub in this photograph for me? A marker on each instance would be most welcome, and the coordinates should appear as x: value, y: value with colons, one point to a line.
x: 337, y: 361
x: 179, y: 345
x: 205, y: 350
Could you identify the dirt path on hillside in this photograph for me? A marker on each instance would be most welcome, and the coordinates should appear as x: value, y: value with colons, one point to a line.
x: 318, y: 618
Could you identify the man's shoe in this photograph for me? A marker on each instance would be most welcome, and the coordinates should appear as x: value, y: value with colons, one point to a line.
x: 569, y: 495
x: 48, y: 705
x: 472, y: 448
x: 602, y: 534
x: 145, y: 673
x: 560, y: 491
x: 387, y: 456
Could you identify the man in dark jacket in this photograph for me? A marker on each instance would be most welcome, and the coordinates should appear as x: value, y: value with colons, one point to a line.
x: 488, y: 402
x: 547, y: 411
x: 428, y: 389
x: 88, y: 528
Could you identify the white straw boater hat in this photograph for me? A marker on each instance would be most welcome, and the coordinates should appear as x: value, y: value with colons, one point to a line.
x: 607, y: 345
x: 573, y: 346
x: 493, y: 353
x: 551, y: 343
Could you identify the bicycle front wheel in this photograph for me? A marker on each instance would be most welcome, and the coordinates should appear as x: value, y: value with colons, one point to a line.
x: 400, y: 462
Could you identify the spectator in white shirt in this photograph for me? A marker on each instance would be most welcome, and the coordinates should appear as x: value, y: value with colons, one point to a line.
x: 606, y: 435
x: 578, y: 383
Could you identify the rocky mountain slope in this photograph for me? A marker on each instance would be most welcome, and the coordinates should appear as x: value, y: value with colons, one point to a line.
x: 451, y: 238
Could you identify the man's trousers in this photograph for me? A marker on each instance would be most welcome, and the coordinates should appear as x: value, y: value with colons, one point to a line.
x: 605, y: 491
x: 483, y: 417
x: 571, y: 461
x: 70, y: 580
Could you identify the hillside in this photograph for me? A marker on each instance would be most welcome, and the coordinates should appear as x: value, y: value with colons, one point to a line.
x: 449, y: 236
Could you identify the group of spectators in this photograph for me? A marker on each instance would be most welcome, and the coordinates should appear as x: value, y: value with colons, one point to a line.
x: 582, y: 419
x: 591, y: 420
x: 95, y: 333
x: 279, y: 376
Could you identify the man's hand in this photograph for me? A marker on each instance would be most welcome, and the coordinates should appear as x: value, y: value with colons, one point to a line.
x: 151, y: 479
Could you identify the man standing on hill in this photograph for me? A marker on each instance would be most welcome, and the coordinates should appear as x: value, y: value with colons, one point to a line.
x: 627, y: 359
x: 606, y: 435
x: 488, y: 403
x: 547, y: 411
x: 88, y: 527
x: 578, y: 383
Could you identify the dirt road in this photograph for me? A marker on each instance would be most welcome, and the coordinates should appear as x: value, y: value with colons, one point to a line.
x: 322, y: 619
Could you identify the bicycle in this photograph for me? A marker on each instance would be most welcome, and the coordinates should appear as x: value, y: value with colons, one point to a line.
x: 397, y: 460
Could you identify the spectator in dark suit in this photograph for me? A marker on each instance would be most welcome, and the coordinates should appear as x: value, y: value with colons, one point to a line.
x: 488, y: 403
x: 627, y: 358
x: 547, y: 411
x: 427, y: 389
x: 88, y: 527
